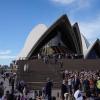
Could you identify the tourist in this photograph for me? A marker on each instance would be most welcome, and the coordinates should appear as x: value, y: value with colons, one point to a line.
x: 98, y: 86
x: 1, y: 93
x: 78, y: 94
x: 48, y: 88
x: 76, y: 82
x: 70, y: 84
x: 86, y: 86
x: 63, y: 89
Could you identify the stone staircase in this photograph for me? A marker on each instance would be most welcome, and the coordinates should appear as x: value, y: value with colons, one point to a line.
x: 39, y: 71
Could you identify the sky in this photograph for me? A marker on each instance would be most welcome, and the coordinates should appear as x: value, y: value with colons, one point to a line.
x: 19, y: 17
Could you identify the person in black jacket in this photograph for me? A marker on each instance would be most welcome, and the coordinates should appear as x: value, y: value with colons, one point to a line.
x: 76, y: 83
x: 63, y: 89
x: 48, y: 88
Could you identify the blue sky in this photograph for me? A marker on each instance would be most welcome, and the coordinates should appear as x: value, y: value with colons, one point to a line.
x: 19, y: 17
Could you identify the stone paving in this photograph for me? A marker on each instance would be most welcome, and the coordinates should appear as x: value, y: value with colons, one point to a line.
x: 55, y: 92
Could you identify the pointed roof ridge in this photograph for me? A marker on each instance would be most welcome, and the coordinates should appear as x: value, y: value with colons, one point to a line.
x: 85, y: 43
x: 62, y: 19
x: 78, y: 35
x: 90, y: 47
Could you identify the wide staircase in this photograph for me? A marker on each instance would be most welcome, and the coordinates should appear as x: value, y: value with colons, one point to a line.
x: 38, y: 71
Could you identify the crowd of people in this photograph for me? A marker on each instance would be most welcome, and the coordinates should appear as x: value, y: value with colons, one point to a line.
x: 76, y: 85
x: 81, y: 85
x: 58, y: 56
x: 18, y: 90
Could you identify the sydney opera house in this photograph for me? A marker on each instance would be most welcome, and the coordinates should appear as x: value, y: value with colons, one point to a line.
x: 61, y: 38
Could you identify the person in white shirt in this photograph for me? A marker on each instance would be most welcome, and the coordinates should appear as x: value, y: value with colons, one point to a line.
x: 70, y: 85
x: 78, y: 95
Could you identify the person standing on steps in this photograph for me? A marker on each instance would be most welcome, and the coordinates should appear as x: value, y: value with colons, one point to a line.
x: 48, y: 89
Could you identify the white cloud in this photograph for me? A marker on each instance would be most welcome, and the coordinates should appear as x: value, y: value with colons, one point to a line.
x: 91, y: 29
x: 75, y: 5
x: 5, y: 52
x: 6, y: 57
x: 63, y: 1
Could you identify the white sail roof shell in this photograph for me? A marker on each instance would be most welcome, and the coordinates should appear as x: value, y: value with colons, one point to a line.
x: 85, y: 44
x: 31, y: 40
